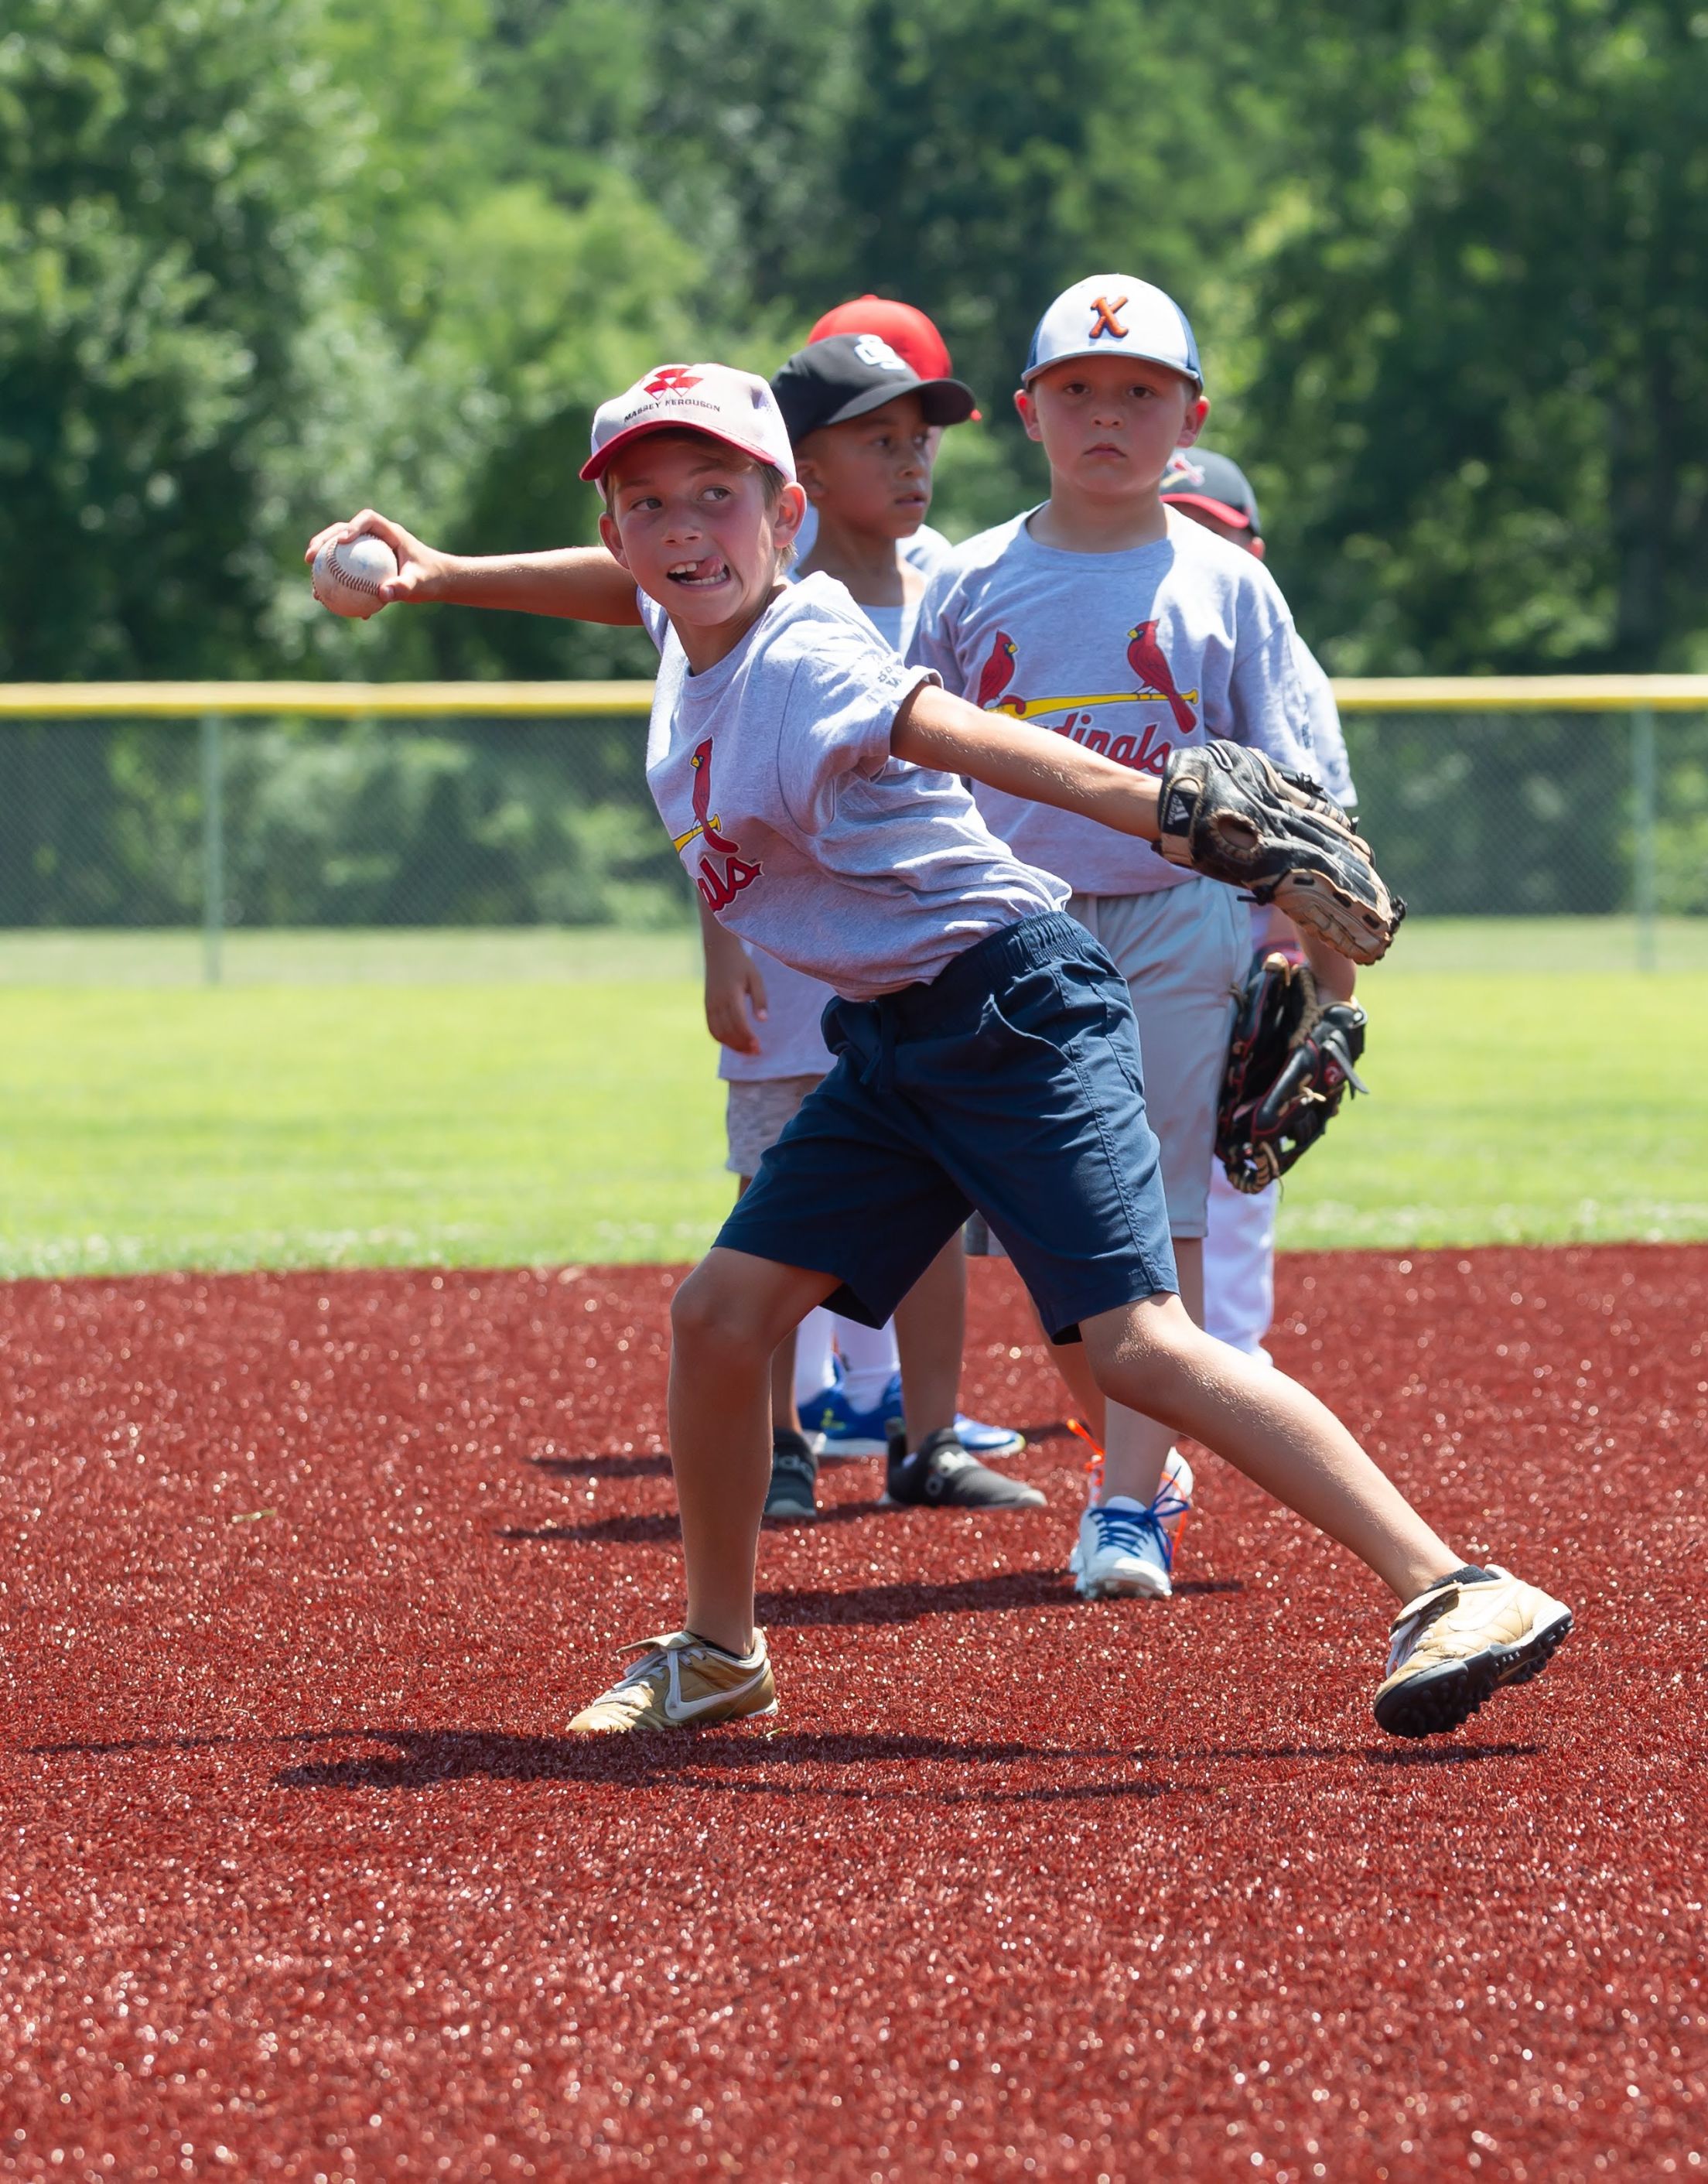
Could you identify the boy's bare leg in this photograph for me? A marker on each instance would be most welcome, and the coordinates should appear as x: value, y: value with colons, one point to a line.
x: 1150, y: 1356
x: 786, y: 1416
x: 930, y: 1330
x: 1080, y: 1378
x: 1136, y: 1445
x: 727, y: 1322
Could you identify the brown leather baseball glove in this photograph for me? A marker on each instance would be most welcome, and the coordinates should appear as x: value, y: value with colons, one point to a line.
x: 1230, y: 812
x: 1293, y: 1059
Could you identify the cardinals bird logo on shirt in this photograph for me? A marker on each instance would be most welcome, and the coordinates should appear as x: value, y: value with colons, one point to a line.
x: 1147, y: 752
x: 719, y: 883
x: 998, y: 672
x: 1145, y: 657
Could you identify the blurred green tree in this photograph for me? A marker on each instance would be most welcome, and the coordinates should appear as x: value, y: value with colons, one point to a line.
x: 1481, y: 325
x: 261, y: 261
x: 164, y: 177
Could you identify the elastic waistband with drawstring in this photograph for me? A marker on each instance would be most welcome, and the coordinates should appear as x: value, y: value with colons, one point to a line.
x: 923, y: 1008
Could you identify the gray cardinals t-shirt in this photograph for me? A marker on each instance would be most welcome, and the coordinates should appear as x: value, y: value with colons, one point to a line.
x: 1131, y: 654
x: 791, y: 1042
x: 772, y: 773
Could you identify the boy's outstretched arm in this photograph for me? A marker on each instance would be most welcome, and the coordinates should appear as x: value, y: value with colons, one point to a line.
x: 934, y: 729
x: 576, y: 583
x: 1312, y: 865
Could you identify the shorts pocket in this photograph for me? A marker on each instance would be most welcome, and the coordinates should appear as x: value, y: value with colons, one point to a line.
x: 1096, y: 1004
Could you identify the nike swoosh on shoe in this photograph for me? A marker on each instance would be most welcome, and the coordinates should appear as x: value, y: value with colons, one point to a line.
x: 679, y: 1709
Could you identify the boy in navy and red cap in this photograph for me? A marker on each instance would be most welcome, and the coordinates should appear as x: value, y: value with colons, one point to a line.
x: 987, y: 1053
x: 1122, y: 625
x: 863, y: 423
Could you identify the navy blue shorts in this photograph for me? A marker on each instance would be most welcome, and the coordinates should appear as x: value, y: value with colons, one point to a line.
x: 1010, y: 1084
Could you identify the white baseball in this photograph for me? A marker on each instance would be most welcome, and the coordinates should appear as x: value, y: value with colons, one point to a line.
x: 348, y: 576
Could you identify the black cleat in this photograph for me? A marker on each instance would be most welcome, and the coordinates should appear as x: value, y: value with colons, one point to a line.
x: 794, y: 1475
x: 942, y: 1475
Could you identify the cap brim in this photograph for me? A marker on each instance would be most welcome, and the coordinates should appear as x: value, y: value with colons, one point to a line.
x: 943, y: 401
x: 1239, y: 517
x: 1138, y: 356
x: 597, y: 465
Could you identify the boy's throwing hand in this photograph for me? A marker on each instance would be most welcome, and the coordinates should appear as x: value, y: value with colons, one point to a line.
x: 421, y: 569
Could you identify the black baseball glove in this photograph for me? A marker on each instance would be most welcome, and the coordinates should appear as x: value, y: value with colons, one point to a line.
x: 1229, y: 812
x: 1294, y: 1058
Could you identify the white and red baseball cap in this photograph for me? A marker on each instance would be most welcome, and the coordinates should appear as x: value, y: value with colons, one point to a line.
x: 1112, y: 315
x: 735, y: 407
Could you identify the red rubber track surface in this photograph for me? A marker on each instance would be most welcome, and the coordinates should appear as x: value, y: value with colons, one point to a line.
x: 299, y: 1878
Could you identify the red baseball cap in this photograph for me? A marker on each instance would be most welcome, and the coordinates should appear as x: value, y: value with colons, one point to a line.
x: 908, y: 332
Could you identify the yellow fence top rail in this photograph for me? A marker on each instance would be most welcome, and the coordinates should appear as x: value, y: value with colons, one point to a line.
x: 416, y: 701
x: 1522, y: 694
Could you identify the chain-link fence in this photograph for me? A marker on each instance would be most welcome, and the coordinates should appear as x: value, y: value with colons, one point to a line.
x: 526, y: 808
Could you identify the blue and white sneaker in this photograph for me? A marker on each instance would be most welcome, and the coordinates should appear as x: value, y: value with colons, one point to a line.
x: 989, y: 1444
x: 842, y: 1430
x: 846, y: 1432
x: 1126, y: 1551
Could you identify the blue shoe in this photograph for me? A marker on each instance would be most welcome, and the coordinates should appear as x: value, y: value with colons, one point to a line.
x: 989, y: 1444
x: 847, y: 1432
x: 1126, y: 1551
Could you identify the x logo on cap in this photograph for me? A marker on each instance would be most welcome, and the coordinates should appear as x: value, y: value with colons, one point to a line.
x: 672, y: 379
x: 1103, y: 320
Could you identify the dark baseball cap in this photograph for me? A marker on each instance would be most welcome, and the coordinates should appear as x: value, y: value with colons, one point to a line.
x: 828, y: 382
x: 1198, y: 478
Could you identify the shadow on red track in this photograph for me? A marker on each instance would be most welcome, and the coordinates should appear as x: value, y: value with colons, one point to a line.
x: 604, y: 1467
x: 660, y: 1526
x: 419, y: 1759
x: 908, y: 1603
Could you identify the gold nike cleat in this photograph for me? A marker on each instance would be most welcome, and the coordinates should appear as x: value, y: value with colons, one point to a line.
x: 1459, y: 1641
x: 681, y: 1682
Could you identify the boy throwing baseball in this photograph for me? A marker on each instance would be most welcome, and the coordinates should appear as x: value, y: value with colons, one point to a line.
x: 987, y: 1054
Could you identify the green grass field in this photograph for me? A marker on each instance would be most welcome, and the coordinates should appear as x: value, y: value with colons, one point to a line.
x: 525, y: 1098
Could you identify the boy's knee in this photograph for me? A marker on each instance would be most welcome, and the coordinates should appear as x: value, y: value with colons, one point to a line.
x: 710, y: 1310
x: 1154, y: 1338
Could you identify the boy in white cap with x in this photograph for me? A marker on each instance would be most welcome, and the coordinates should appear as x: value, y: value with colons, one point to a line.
x: 1122, y: 626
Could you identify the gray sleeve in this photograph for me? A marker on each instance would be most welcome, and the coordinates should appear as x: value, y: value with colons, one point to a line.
x: 933, y: 642
x: 653, y: 618
x: 1328, y: 759
x: 839, y: 713
x: 1267, y: 697
x: 925, y: 550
